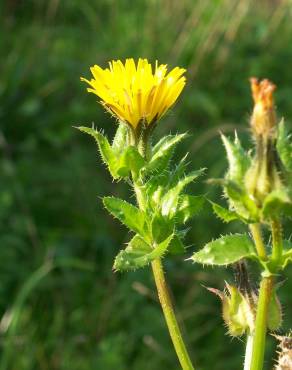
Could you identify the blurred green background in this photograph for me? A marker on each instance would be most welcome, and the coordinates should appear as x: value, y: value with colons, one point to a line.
x: 62, y: 307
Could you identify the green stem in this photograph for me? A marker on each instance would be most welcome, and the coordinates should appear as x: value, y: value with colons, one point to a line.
x: 258, y: 349
x: 164, y: 297
x: 170, y: 317
x: 258, y: 240
x: 277, y: 251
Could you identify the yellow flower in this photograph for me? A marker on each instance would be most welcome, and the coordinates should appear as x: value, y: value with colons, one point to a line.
x: 136, y: 93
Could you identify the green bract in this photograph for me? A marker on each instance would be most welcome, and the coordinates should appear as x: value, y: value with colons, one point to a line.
x: 121, y: 159
x: 266, y: 174
x: 284, y: 146
x: 139, y: 254
x: 238, y: 159
x: 160, y: 192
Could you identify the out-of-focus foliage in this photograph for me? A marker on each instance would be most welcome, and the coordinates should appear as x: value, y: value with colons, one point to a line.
x: 62, y: 308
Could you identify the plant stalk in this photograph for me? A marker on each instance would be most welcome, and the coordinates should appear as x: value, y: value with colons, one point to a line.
x: 258, y: 348
x: 172, y: 324
x: 277, y: 251
x: 164, y: 297
x: 258, y: 240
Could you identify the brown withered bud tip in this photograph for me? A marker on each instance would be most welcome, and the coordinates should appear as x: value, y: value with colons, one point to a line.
x: 263, y: 119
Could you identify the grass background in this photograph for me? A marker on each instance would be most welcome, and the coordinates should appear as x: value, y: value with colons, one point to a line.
x: 62, y: 308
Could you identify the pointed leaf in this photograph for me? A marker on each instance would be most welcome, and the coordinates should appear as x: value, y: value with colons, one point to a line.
x: 277, y: 203
x: 189, y: 206
x: 225, y: 250
x: 128, y: 214
x: 130, y: 160
x: 287, y: 253
x: 139, y: 254
x: 162, y: 152
x: 244, y: 205
x: 284, y: 146
x: 224, y: 214
x: 238, y: 160
x: 120, y: 141
x: 105, y: 149
x: 178, y: 172
x: 171, y: 198
x: 176, y: 246
x: 274, y: 312
x: 161, y: 227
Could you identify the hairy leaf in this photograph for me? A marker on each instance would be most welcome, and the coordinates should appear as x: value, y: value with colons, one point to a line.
x: 128, y: 214
x: 224, y: 214
x: 275, y: 312
x: 171, y: 199
x: 287, y: 253
x: 161, y: 227
x: 225, y: 250
x: 139, y: 254
x: 121, y: 138
x: 284, y: 146
x: 106, y: 151
x: 238, y: 159
x: 189, y: 206
x: 176, y: 246
x: 130, y: 160
x: 277, y: 203
x: 162, y: 152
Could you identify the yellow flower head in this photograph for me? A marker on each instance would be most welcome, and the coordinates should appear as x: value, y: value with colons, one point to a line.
x: 136, y: 93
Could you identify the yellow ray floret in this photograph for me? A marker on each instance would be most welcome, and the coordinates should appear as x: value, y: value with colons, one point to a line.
x: 134, y: 92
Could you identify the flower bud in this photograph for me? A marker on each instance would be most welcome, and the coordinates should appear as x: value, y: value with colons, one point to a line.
x: 238, y: 310
x: 263, y: 120
x: 264, y: 175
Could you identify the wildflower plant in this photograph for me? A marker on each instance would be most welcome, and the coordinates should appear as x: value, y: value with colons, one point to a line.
x: 138, y: 95
x: 257, y: 187
x: 258, y: 190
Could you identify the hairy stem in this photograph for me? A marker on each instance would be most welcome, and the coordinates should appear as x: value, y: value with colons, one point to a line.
x: 258, y: 240
x: 164, y: 297
x: 170, y: 317
x: 258, y: 348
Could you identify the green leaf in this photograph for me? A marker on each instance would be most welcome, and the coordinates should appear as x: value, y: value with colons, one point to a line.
x: 243, y: 204
x: 176, y: 246
x: 159, y: 183
x: 239, y: 161
x: 287, y: 253
x: 171, y: 199
x: 107, y: 154
x: 277, y: 203
x: 128, y: 214
x: 139, y: 254
x: 284, y: 146
x: 275, y: 312
x: 161, y: 227
x: 224, y: 214
x: 121, y: 159
x: 226, y: 250
x: 189, y: 206
x: 178, y: 172
x: 162, y: 152
x: 130, y: 160
x: 238, y: 313
x: 121, y: 140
